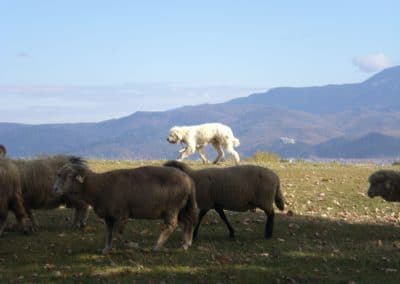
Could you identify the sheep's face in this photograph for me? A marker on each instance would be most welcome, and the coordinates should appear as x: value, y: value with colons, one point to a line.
x: 376, y: 189
x: 68, y: 180
x: 174, y: 135
x: 380, y: 185
x: 2, y: 151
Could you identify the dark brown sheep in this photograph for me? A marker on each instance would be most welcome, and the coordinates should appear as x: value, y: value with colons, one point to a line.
x: 238, y: 188
x: 10, y: 195
x: 142, y: 193
x: 3, y: 151
x: 37, y: 179
x: 385, y: 183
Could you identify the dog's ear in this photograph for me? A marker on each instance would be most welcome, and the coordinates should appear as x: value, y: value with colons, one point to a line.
x: 179, y: 134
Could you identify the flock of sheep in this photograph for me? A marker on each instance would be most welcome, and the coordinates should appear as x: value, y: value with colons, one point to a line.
x: 173, y: 192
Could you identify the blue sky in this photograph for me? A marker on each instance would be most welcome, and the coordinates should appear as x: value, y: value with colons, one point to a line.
x: 65, y: 61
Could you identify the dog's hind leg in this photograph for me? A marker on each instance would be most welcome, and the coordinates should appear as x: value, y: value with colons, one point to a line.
x: 203, y: 157
x: 232, y: 151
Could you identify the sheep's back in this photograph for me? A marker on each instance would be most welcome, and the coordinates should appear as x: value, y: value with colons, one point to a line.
x: 145, y: 192
x: 236, y: 188
x: 37, y: 179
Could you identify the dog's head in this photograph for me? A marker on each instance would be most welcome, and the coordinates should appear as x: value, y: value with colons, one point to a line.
x: 175, y: 135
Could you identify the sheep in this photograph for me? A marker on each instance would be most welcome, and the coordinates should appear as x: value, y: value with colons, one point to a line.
x: 144, y: 193
x: 37, y: 179
x: 10, y: 195
x: 3, y: 151
x: 238, y: 188
x: 385, y: 183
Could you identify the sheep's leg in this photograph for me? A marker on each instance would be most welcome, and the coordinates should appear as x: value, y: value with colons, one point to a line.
x: 81, y: 214
x: 120, y: 225
x: 170, y: 221
x: 220, y: 152
x: 76, y: 217
x: 225, y: 219
x: 18, y: 208
x: 32, y: 217
x: 119, y: 228
x: 202, y: 155
x: 113, y: 225
x: 269, y: 226
x: 232, y: 151
x: 110, y: 222
x: 187, y: 234
x: 203, y: 212
x: 3, y: 219
x: 189, y: 150
x: 85, y: 215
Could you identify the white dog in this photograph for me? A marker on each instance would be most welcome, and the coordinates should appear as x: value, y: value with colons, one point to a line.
x: 196, y: 137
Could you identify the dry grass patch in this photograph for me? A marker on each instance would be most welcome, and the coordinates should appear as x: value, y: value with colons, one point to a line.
x: 331, y: 232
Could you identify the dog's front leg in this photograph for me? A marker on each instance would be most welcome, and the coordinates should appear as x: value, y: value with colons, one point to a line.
x: 186, y: 152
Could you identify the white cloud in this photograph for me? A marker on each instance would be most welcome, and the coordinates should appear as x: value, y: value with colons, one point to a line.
x: 62, y: 103
x: 23, y: 54
x: 372, y: 62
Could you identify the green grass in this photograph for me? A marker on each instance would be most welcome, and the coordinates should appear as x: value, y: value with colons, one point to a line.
x: 330, y: 232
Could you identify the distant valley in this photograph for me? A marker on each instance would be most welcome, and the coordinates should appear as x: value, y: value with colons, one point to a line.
x: 360, y: 120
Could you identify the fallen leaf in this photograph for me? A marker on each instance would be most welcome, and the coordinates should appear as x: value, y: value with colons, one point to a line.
x: 57, y: 273
x: 396, y: 244
x: 49, y: 266
x: 133, y: 245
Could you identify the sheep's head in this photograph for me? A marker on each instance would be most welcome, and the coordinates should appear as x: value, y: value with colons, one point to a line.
x: 382, y: 184
x: 174, y: 135
x: 70, y: 176
x: 3, y: 151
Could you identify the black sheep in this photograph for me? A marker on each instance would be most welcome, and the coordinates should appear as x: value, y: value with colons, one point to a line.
x: 238, y: 188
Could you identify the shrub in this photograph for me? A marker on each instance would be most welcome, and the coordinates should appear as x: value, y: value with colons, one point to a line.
x: 265, y: 157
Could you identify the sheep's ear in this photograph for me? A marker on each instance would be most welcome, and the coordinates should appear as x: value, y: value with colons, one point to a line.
x: 80, y: 179
x: 388, y: 184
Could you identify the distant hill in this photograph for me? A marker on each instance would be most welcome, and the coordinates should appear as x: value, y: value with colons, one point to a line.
x: 351, y: 120
x: 379, y: 92
x: 373, y: 145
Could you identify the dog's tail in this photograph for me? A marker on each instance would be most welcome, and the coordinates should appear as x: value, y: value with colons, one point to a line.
x: 279, y: 200
x: 236, y: 142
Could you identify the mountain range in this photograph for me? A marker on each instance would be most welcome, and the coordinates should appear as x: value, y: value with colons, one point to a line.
x: 360, y: 120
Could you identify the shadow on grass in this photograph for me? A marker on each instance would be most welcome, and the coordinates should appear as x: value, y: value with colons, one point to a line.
x: 303, y: 249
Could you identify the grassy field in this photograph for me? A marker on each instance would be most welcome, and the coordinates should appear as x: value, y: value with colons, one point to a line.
x: 330, y: 232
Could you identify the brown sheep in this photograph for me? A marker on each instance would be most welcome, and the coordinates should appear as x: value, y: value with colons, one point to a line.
x: 385, y: 183
x: 3, y: 151
x: 10, y: 195
x: 142, y: 193
x: 238, y: 188
x: 37, y: 179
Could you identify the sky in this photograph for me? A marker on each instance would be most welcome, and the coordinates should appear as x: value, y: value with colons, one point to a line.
x: 86, y: 61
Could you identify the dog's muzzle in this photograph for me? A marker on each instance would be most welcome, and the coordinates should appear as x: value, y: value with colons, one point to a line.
x: 171, y: 141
